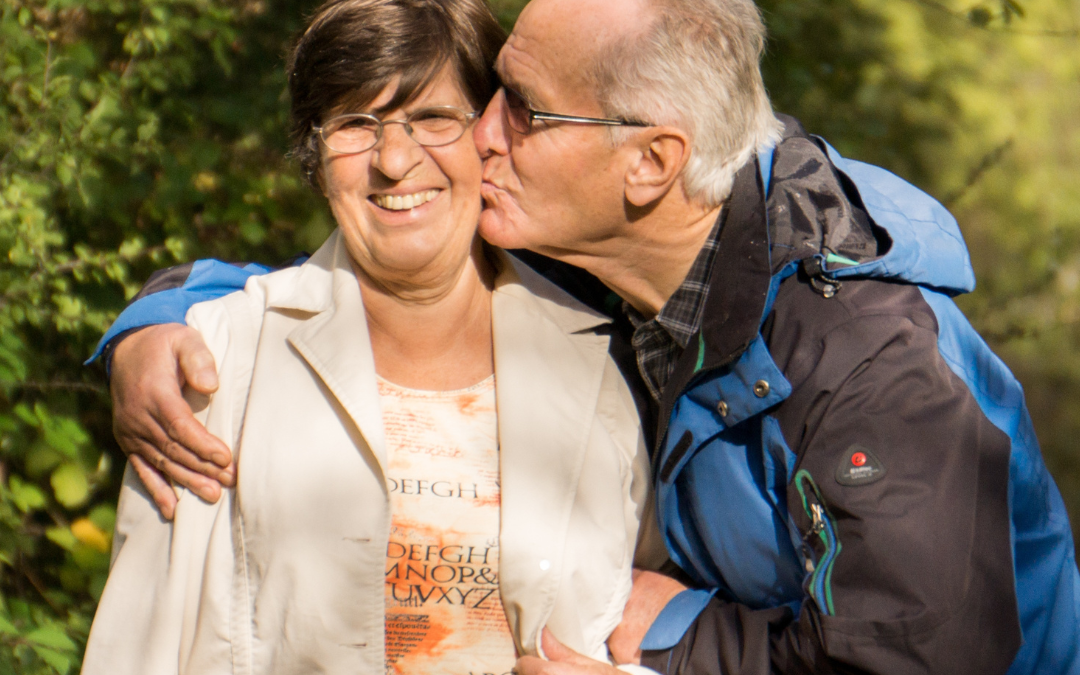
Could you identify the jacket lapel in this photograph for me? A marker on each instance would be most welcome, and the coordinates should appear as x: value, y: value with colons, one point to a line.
x: 549, y: 366
x: 335, y: 343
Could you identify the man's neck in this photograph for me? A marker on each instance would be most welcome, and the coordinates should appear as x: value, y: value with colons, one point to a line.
x: 648, y: 262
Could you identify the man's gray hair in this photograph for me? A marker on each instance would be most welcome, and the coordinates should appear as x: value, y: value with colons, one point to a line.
x: 695, y: 66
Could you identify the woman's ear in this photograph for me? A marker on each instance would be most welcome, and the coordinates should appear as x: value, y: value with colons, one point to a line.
x: 661, y: 154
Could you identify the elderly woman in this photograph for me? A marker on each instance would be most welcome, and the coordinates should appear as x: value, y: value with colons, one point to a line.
x: 436, y: 455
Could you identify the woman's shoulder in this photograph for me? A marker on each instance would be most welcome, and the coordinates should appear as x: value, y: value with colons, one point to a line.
x: 521, y: 280
x: 292, y: 287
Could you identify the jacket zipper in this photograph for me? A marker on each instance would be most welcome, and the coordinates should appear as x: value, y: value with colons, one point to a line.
x: 823, y: 528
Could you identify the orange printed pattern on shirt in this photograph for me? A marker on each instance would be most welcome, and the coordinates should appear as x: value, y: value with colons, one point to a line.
x: 443, y: 610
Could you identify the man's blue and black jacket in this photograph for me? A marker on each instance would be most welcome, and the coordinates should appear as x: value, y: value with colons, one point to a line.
x: 845, y: 473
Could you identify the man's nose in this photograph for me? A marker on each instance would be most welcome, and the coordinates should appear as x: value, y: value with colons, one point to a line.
x: 491, y: 132
x: 396, y: 153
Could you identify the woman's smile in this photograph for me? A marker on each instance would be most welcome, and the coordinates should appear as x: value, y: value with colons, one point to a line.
x: 404, y: 202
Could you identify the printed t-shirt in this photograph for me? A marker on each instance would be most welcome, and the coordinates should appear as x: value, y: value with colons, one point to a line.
x: 443, y: 611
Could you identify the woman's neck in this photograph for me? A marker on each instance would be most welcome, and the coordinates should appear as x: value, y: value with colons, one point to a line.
x: 437, y: 337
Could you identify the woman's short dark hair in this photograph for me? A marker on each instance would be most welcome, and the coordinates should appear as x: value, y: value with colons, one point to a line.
x: 351, y: 49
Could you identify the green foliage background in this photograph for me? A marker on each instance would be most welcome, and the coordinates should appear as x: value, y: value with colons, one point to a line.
x: 139, y: 133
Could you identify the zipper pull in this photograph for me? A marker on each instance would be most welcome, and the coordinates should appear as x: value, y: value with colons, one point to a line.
x: 817, y: 524
x: 818, y: 521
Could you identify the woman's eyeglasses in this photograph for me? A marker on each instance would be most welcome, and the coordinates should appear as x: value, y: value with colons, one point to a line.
x: 430, y: 127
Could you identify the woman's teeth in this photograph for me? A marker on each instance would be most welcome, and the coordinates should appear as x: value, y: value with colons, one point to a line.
x: 404, y: 202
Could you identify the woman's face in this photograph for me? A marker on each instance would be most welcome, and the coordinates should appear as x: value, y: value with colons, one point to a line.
x: 369, y: 192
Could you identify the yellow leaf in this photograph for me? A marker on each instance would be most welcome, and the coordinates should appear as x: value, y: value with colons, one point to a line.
x: 90, y: 534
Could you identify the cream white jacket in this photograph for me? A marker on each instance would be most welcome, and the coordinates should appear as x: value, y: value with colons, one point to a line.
x: 285, y: 574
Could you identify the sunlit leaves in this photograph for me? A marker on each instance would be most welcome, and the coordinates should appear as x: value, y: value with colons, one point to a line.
x: 133, y: 134
x: 101, y: 102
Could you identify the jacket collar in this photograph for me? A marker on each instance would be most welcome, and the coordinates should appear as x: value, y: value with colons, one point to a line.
x: 738, y: 289
x: 327, y: 278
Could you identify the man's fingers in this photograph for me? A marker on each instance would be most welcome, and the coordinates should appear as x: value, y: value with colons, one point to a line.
x: 553, y: 649
x: 160, y: 491
x: 207, y: 489
x: 153, y: 422
x: 194, y: 446
x: 561, y: 660
x: 533, y: 665
x: 196, y: 362
x: 180, y: 455
x: 147, y: 451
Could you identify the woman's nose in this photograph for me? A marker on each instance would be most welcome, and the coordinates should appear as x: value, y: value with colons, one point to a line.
x: 396, y: 153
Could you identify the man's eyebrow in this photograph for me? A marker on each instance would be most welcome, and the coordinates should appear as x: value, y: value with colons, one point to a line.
x: 518, y: 88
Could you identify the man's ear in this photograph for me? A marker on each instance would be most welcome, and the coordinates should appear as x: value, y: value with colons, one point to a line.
x: 661, y: 154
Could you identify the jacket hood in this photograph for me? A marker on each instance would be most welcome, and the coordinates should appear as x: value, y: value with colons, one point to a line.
x: 925, y: 244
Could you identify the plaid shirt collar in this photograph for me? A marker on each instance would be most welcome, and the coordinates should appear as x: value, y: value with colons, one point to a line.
x: 659, y: 342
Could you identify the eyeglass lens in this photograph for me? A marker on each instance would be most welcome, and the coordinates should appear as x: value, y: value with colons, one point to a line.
x: 518, y: 114
x: 429, y: 127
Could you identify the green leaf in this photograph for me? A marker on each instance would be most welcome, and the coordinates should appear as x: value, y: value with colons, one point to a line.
x: 51, y: 636
x: 7, y: 628
x: 90, y: 559
x: 97, y: 584
x: 27, y: 497
x: 61, y: 662
x: 70, y: 485
x: 104, y: 516
x: 41, y: 459
x: 23, y: 412
x: 62, y: 537
x: 64, y: 434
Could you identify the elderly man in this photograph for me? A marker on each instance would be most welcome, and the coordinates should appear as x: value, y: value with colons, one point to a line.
x: 846, y: 477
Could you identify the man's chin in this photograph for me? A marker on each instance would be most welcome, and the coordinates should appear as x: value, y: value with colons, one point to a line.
x: 491, y: 228
x: 497, y: 228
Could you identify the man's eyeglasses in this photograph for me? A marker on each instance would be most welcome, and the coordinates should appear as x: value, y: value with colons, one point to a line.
x: 521, y: 117
x: 430, y: 127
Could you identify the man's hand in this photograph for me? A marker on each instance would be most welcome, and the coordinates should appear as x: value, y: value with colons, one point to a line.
x: 153, y: 423
x: 651, y: 593
x: 561, y: 660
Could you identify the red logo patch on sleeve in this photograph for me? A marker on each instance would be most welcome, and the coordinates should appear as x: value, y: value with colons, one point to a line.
x: 859, y: 466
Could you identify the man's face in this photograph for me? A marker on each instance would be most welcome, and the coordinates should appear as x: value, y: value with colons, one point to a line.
x: 557, y: 190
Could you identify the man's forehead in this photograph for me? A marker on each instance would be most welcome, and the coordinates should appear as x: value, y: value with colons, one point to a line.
x: 520, y: 69
x: 580, y: 23
x: 554, y: 39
